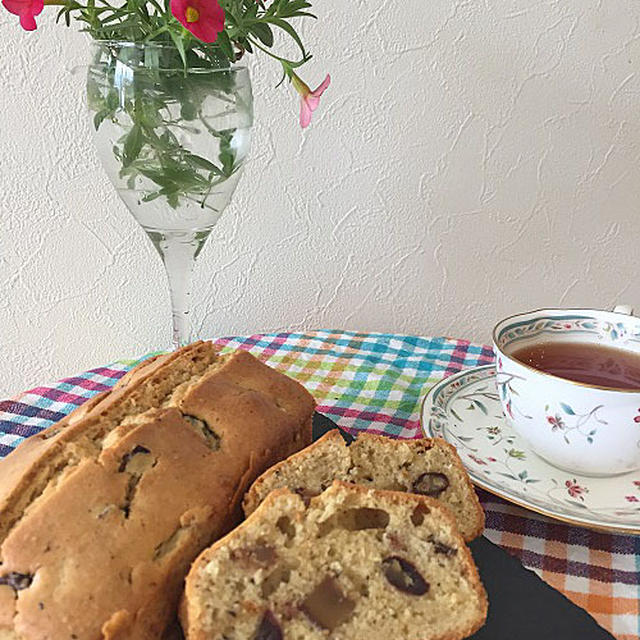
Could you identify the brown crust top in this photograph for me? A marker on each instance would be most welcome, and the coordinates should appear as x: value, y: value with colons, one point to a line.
x: 130, y: 488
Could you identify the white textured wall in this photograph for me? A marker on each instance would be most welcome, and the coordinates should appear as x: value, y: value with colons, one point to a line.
x: 471, y: 159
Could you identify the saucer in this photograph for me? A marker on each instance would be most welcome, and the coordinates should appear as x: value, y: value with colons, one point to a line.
x: 465, y: 410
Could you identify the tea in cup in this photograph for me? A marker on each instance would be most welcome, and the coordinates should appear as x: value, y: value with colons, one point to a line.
x: 569, y: 383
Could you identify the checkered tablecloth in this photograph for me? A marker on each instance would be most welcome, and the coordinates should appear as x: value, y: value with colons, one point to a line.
x: 375, y: 382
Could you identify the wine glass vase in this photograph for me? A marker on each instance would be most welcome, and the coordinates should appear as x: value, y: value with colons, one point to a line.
x: 173, y: 139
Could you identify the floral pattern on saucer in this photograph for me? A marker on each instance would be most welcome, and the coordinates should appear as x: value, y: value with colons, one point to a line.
x: 465, y: 410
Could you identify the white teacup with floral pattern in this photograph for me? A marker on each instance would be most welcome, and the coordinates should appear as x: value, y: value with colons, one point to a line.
x: 586, y: 429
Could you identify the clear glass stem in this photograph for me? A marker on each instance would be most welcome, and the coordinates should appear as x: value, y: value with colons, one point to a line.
x: 179, y: 250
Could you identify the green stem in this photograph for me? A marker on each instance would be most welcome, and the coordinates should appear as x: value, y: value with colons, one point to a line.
x: 284, y: 61
x: 156, y: 33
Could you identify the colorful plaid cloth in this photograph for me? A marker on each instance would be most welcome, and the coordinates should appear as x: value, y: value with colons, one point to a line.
x: 375, y: 382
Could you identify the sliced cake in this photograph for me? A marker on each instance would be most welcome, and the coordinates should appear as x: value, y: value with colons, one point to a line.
x: 102, y: 514
x: 349, y: 563
x: 427, y: 466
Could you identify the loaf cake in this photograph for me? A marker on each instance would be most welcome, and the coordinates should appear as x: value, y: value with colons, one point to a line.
x: 102, y: 514
x: 351, y: 563
x: 427, y: 466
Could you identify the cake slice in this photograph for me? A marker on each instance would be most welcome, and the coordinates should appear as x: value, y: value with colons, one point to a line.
x: 427, y: 466
x: 350, y: 563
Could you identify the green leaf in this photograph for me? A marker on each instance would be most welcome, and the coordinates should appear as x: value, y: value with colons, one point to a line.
x: 99, y: 117
x: 252, y: 11
x: 152, y: 196
x: 227, y: 156
x: 294, y: 8
x: 149, y: 116
x: 179, y: 43
x: 132, y: 145
x: 156, y: 176
x: 263, y: 32
x: 173, y: 199
x: 225, y: 45
x: 567, y: 409
x: 182, y: 175
x: 285, y: 26
x: 203, y: 163
x: 113, y: 101
x: 188, y: 111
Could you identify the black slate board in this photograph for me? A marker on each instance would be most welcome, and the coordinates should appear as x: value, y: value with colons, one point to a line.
x: 521, y: 605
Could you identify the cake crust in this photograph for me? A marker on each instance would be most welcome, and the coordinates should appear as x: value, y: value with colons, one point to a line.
x: 102, y: 514
x: 378, y: 462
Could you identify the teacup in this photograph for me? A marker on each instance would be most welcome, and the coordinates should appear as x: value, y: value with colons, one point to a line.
x: 583, y: 428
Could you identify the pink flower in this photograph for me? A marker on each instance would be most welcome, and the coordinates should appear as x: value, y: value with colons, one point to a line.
x: 556, y: 422
x: 637, y: 483
x: 631, y: 499
x: 26, y: 9
x: 490, y: 459
x: 309, y: 100
x: 477, y: 460
x: 203, y: 18
x: 575, y: 490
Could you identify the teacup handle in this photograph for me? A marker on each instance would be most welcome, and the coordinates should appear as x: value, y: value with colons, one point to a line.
x: 626, y: 309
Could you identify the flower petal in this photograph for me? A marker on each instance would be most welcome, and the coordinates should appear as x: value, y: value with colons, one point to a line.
x: 13, y: 6
x: 210, y: 20
x: 17, y: 7
x: 28, y: 22
x: 305, y: 114
x: 322, y: 88
x: 26, y: 9
x: 312, y: 101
